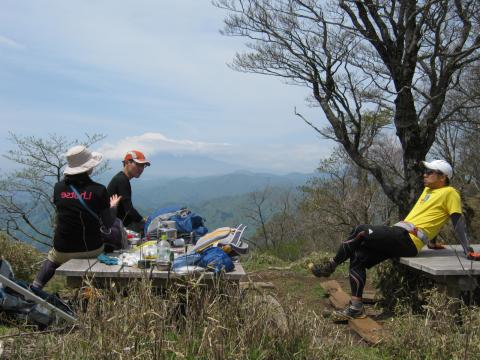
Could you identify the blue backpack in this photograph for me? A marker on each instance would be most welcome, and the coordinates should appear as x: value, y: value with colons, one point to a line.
x: 187, y: 222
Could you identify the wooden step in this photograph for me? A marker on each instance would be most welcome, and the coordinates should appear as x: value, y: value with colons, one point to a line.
x: 367, y: 328
x: 256, y: 285
x: 370, y: 297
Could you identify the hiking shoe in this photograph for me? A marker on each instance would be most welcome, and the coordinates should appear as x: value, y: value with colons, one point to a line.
x: 349, y: 313
x: 323, y: 270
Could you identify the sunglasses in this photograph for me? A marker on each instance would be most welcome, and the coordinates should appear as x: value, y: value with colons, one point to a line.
x: 430, y: 172
x: 137, y: 164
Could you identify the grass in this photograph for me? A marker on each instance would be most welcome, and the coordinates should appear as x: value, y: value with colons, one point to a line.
x: 319, y: 291
x: 5, y: 330
x: 221, y: 323
x: 193, y: 322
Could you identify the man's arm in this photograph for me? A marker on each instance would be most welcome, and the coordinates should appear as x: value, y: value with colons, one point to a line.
x: 460, y: 228
x: 125, y: 191
x: 130, y: 211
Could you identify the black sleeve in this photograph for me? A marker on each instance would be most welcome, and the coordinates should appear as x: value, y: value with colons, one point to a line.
x: 108, y: 216
x: 132, y: 212
x: 124, y: 190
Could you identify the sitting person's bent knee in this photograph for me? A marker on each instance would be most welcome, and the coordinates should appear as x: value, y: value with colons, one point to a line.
x: 358, y: 232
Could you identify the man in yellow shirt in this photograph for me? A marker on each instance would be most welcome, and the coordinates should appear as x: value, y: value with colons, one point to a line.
x: 369, y: 245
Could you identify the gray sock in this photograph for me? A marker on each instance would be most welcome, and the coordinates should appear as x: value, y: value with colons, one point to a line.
x: 356, y: 304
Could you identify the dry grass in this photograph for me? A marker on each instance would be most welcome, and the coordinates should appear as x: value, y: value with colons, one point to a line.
x: 187, y: 322
x: 193, y: 322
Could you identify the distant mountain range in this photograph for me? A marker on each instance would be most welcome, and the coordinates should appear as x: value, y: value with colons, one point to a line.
x: 153, y: 194
x: 221, y: 200
x: 169, y: 166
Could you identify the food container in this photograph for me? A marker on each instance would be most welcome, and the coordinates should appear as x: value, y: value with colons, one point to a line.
x: 162, y: 265
x: 171, y: 234
x: 149, y: 252
x: 134, y: 240
x: 180, y: 242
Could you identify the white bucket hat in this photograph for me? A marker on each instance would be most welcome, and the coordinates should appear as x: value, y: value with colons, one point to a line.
x: 80, y: 160
x: 439, y: 165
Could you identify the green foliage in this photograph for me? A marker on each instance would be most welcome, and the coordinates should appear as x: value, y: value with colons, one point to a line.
x: 400, y: 285
x: 25, y: 259
x: 289, y: 251
x: 260, y: 260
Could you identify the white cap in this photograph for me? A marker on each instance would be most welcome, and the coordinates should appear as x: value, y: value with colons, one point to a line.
x: 439, y: 165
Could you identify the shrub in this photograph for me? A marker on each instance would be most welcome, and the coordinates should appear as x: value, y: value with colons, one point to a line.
x: 398, y: 284
x: 24, y: 258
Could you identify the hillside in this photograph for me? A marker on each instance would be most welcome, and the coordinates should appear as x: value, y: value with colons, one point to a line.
x: 221, y: 200
x: 153, y: 194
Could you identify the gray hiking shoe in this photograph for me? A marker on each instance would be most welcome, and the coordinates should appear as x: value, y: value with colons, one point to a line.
x: 349, y: 313
x: 323, y: 270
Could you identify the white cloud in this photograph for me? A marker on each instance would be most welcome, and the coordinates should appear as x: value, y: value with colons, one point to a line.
x: 261, y: 157
x: 280, y: 157
x: 155, y: 143
x: 5, y: 41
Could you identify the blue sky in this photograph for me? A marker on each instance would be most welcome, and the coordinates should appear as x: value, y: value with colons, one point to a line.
x: 151, y: 75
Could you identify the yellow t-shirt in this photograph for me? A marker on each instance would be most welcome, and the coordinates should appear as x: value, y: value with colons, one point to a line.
x: 432, y: 210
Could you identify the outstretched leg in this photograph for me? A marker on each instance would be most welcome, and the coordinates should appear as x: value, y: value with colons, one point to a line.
x: 345, y: 251
x: 380, y: 243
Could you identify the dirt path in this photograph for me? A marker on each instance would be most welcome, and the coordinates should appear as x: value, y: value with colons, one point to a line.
x: 293, y: 286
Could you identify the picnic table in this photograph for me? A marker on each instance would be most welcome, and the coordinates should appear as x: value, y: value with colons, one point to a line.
x: 448, y: 267
x: 76, y: 270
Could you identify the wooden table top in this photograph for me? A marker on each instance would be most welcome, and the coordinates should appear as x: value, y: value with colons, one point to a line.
x: 449, y: 261
x: 93, y: 267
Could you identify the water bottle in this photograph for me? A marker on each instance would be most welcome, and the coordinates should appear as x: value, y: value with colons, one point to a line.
x: 163, y: 250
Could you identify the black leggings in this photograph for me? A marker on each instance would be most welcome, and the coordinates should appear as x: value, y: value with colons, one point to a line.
x: 45, y: 274
x: 367, y: 246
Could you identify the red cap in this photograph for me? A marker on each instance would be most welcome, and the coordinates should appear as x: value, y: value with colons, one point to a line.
x: 136, y: 156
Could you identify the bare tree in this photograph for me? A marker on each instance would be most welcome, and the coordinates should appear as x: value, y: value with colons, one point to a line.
x: 340, y: 197
x: 272, y: 210
x: 27, y: 211
x: 458, y: 140
x: 257, y: 211
x: 402, y: 57
x: 282, y: 226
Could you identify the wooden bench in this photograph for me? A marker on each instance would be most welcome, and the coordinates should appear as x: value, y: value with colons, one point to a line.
x: 448, y: 267
x: 76, y: 270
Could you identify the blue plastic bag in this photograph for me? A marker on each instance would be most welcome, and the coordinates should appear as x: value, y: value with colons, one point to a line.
x: 216, y: 259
